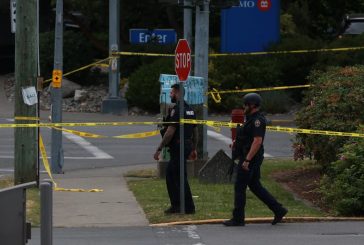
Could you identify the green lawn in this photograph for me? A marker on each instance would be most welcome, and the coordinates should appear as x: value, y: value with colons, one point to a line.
x: 33, y: 202
x: 214, y: 201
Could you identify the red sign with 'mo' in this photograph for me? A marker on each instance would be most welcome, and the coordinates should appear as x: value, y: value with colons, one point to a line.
x: 183, y: 60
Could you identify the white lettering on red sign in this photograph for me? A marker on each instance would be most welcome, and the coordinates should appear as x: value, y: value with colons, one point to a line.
x: 183, y: 60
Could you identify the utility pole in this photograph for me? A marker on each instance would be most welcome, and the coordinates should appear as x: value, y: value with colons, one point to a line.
x: 114, y: 103
x: 25, y: 154
x: 187, y: 21
x: 202, y: 62
x: 56, y: 92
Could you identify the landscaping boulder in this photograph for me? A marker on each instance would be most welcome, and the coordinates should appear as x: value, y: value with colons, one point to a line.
x: 68, y: 88
x: 216, y: 169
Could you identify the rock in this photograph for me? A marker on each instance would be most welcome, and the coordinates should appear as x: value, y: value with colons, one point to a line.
x: 216, y: 169
x: 80, y: 95
x: 68, y: 88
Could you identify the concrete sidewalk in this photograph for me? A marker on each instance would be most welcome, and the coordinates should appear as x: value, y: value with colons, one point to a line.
x: 116, y: 206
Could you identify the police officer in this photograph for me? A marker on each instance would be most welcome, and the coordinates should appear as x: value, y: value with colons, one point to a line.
x: 171, y: 139
x: 248, y: 170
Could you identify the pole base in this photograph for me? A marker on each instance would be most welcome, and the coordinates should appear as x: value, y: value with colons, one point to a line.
x: 114, y: 106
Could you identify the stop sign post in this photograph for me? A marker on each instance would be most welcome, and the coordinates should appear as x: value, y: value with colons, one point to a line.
x: 182, y: 67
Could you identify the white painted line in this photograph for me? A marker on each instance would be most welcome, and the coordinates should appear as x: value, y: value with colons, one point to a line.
x: 71, y: 158
x: 93, y: 150
x: 11, y: 170
x: 225, y: 139
x: 10, y: 120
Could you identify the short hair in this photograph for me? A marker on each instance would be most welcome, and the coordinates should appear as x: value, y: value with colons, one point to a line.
x: 175, y: 86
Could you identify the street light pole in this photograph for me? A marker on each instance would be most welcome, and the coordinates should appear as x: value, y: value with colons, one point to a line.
x: 201, y: 60
x: 56, y: 91
x: 187, y: 21
x: 114, y: 103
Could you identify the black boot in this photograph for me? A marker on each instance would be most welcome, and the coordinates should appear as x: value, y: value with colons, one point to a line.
x: 233, y: 222
x: 278, y: 216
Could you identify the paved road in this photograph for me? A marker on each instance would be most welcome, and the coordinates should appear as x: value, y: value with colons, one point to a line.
x: 336, y: 233
x: 83, y: 153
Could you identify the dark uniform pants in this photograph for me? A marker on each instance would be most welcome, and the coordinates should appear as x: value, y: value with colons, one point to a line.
x: 173, y: 179
x: 251, y: 178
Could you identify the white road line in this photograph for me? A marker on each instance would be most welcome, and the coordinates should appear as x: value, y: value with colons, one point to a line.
x: 9, y: 119
x: 11, y: 170
x: 97, y: 153
x: 225, y: 139
x: 71, y: 158
x: 93, y: 150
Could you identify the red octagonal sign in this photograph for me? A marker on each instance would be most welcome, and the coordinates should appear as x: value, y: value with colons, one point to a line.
x: 183, y: 60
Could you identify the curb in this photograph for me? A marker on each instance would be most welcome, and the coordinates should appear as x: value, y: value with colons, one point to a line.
x: 262, y: 221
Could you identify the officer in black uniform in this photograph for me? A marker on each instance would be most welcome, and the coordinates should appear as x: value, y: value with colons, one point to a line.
x: 251, y: 158
x: 171, y: 139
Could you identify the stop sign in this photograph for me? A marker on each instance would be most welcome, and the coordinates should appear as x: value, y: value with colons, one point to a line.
x: 183, y: 60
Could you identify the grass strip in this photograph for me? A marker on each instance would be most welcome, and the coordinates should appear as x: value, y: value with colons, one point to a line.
x: 215, y: 201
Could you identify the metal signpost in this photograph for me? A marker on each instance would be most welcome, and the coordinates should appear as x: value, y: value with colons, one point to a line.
x: 56, y: 91
x: 183, y: 68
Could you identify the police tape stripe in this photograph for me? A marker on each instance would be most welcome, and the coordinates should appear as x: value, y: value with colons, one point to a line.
x: 27, y: 118
x: 217, y: 92
x: 138, y: 135
x: 48, y: 170
x: 278, y: 128
x: 80, y: 69
x: 325, y: 50
x: 97, y: 136
x: 79, y: 133
x: 115, y: 54
x: 86, y: 124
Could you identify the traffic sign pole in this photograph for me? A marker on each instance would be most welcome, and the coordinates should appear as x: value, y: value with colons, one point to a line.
x: 183, y: 68
x: 182, y: 149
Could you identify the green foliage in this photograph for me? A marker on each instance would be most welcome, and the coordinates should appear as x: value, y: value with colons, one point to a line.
x: 288, y: 27
x: 77, y: 53
x: 316, y: 17
x: 342, y: 58
x: 343, y: 186
x: 144, y: 86
x: 334, y: 103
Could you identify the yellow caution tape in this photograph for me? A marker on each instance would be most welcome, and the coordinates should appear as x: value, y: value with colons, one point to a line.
x: 138, y: 135
x: 303, y: 51
x: 97, y: 136
x: 215, y: 94
x: 277, y: 128
x: 86, y: 124
x: 27, y: 118
x: 247, y: 54
x: 79, y: 133
x: 80, y: 69
x: 48, y: 169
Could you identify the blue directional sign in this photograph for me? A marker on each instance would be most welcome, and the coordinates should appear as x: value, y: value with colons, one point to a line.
x: 156, y: 36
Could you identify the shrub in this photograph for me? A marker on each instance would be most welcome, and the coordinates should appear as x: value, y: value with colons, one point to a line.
x: 144, y: 86
x: 343, y: 185
x: 333, y: 103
